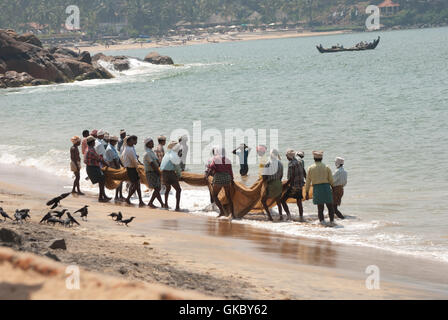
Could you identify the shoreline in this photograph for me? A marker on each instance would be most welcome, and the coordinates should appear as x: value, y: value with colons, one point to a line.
x: 207, y: 247
x: 214, y: 38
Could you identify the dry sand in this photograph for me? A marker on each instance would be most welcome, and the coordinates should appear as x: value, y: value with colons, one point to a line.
x: 185, y: 252
x: 213, y: 38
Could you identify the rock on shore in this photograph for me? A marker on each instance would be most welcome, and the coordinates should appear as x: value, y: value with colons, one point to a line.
x: 119, y: 63
x: 24, y: 62
x: 156, y: 58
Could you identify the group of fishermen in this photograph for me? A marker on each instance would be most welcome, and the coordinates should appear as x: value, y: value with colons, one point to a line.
x: 328, y: 188
x: 99, y: 150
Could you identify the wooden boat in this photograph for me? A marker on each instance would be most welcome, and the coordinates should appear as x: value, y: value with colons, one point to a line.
x: 359, y: 47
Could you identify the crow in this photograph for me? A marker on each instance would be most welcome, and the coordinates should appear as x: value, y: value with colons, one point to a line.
x: 116, y: 216
x: 128, y: 221
x: 113, y: 215
x: 4, y: 214
x: 19, y: 216
x: 25, y: 215
x: 55, y: 201
x: 59, y: 214
x: 84, y: 212
x: 46, y: 217
x: 54, y: 220
x: 70, y: 220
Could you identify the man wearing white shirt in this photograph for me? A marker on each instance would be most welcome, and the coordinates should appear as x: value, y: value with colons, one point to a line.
x: 100, y: 144
x: 339, y: 182
x: 130, y: 162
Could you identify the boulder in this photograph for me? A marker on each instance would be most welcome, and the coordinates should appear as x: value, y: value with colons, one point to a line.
x: 66, y: 52
x: 99, y: 56
x: 85, y: 57
x: 58, y: 244
x: 24, y: 54
x: 2, y: 66
x: 10, y: 236
x: 156, y: 58
x: 119, y: 63
x: 29, y: 38
x: 13, y: 79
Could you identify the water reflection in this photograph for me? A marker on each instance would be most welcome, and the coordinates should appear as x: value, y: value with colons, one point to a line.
x: 304, y: 251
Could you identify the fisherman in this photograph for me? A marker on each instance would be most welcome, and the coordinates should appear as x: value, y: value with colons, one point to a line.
x: 130, y: 162
x: 300, y: 155
x: 75, y: 164
x: 93, y: 161
x: 153, y: 172
x: 100, y: 144
x: 243, y: 153
x: 184, y: 150
x: 339, y: 182
x: 171, y: 172
x: 320, y: 176
x: 221, y: 170
x: 113, y: 159
x: 121, y: 141
x: 294, y: 184
x: 85, y: 134
x: 214, y: 152
x: 272, y: 178
x: 160, y: 151
x: 262, y: 158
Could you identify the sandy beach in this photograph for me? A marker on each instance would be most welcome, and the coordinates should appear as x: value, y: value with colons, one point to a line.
x: 211, y: 38
x: 214, y: 258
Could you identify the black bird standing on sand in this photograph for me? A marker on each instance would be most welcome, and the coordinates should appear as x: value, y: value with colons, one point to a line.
x: 70, y: 220
x: 84, y: 212
x: 22, y: 215
x: 46, y: 217
x: 55, y: 201
x: 59, y: 214
x: 4, y: 214
x: 128, y: 221
x: 54, y: 220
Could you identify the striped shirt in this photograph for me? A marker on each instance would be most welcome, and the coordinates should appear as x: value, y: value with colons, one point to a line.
x: 295, y: 173
x: 92, y: 159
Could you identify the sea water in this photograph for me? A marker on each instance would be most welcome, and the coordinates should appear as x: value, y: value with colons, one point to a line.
x: 384, y: 111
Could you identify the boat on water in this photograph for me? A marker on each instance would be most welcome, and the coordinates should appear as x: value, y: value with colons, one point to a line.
x: 358, y: 47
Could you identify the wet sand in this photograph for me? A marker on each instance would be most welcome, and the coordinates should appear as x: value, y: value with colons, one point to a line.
x: 214, y: 257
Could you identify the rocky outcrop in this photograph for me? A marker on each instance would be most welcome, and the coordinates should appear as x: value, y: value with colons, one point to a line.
x: 13, y: 79
x: 156, y: 58
x: 34, y: 65
x: 119, y: 63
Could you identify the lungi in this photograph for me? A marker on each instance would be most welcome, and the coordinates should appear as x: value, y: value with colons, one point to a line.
x: 322, y: 194
x: 169, y: 178
x: 95, y: 174
x: 275, y: 188
x: 153, y: 179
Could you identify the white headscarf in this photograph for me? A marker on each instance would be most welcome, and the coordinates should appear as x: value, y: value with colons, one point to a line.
x: 339, y: 162
x: 271, y: 167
